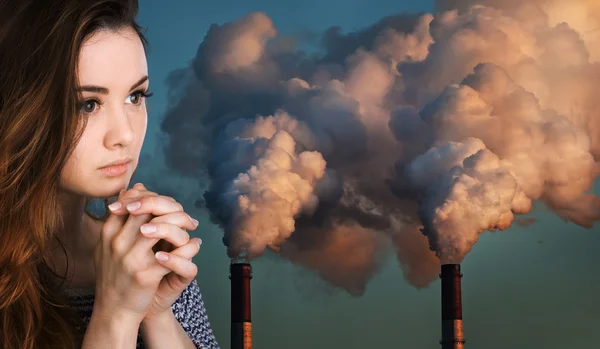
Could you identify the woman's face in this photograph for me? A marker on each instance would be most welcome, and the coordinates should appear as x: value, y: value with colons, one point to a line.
x: 112, y: 72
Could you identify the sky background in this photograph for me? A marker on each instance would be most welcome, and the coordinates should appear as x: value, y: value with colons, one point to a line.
x: 524, y: 288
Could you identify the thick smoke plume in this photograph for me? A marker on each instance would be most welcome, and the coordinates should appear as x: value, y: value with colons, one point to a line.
x: 413, y: 136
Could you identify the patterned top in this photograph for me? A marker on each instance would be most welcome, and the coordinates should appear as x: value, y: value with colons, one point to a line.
x: 188, y: 310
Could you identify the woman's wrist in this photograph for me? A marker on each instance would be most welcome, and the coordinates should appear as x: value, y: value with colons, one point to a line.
x: 157, y: 321
x: 118, y: 318
x: 111, y: 331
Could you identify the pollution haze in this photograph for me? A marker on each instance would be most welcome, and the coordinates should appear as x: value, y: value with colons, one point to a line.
x: 348, y: 149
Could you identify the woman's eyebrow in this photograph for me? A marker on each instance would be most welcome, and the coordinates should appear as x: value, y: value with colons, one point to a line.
x: 104, y: 90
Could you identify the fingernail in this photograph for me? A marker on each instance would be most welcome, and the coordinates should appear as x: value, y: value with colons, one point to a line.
x: 199, y: 242
x: 114, y: 206
x: 195, y: 222
x: 134, y: 206
x: 162, y: 256
x: 147, y: 228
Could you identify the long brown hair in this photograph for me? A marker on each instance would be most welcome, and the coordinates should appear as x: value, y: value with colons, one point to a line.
x: 40, y: 126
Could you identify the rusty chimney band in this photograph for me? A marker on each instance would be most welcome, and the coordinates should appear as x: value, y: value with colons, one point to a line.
x: 452, y: 329
x: 241, y: 318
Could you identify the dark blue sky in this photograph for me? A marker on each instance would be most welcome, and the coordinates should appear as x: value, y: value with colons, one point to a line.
x: 533, y: 287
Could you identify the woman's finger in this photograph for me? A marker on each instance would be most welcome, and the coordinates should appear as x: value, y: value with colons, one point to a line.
x: 168, y: 213
x: 181, y: 266
x: 137, y: 190
x: 179, y: 218
x: 130, y: 195
x: 166, y: 231
x: 187, y: 251
x: 118, y: 239
x: 170, y: 227
x: 111, y: 226
x: 142, y: 188
x: 149, y: 204
x: 139, y: 186
x: 119, y: 207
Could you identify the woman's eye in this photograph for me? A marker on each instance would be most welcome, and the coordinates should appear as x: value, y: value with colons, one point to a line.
x: 138, y: 96
x: 135, y: 97
x: 89, y: 106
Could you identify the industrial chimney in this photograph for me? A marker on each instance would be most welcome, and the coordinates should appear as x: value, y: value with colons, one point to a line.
x: 241, y: 322
x: 452, y: 328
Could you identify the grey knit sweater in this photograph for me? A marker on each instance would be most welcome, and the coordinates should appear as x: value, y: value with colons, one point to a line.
x: 188, y: 309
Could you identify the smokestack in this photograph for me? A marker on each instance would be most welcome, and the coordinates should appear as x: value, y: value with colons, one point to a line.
x: 452, y: 328
x: 241, y: 322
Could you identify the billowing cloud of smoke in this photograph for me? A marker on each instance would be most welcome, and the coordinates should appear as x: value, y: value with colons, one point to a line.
x: 415, y: 135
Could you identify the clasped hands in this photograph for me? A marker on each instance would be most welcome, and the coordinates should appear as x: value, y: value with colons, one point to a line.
x: 173, y: 247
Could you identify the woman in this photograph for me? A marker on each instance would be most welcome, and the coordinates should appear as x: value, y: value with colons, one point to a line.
x: 73, y: 83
